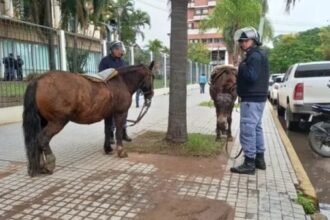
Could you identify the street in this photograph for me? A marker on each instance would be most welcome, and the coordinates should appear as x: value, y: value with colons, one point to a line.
x: 317, y: 167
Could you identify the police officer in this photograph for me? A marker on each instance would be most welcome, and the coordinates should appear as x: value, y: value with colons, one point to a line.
x: 19, y: 68
x: 114, y: 60
x: 10, y: 66
x: 252, y: 87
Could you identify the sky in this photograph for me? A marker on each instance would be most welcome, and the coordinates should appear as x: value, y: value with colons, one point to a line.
x: 305, y: 15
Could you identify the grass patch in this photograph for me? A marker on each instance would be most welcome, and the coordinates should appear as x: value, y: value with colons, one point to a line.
x: 211, y: 104
x: 12, y: 88
x: 198, y: 145
x: 207, y: 104
x: 307, y: 203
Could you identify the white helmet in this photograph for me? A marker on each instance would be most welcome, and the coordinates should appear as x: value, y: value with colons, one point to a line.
x: 248, y: 33
x: 117, y: 44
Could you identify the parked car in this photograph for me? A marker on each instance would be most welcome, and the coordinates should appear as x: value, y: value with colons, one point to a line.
x: 272, y: 78
x: 274, y: 88
x: 304, y: 85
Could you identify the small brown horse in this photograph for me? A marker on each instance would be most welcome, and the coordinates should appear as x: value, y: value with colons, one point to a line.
x: 57, y: 97
x: 223, y: 93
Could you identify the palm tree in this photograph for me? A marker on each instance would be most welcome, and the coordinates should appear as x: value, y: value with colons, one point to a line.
x: 131, y: 26
x: 39, y: 12
x: 290, y: 4
x: 155, y: 46
x: 230, y: 15
x: 177, y: 119
x: 76, y: 11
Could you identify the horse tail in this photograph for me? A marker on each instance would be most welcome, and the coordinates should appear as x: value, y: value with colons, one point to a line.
x: 31, y: 129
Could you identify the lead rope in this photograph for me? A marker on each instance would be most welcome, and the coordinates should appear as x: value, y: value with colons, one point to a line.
x: 142, y: 113
x: 227, y: 152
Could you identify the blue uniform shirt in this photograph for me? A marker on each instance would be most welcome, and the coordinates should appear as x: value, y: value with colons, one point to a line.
x: 111, y: 62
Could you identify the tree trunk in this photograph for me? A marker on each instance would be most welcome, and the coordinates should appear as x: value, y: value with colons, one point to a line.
x: 75, y: 45
x: 177, y: 119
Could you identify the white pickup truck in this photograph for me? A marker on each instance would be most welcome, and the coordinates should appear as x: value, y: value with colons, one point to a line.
x: 304, y: 84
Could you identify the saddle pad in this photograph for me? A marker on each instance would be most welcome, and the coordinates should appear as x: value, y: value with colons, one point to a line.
x: 102, y: 76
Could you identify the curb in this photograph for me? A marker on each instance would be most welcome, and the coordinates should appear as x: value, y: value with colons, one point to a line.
x: 305, y: 184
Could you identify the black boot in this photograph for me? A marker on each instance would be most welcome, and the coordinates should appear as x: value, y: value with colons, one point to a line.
x: 125, y: 136
x: 248, y: 167
x: 260, y: 161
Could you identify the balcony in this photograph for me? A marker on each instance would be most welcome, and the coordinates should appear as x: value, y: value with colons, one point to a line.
x: 212, y: 3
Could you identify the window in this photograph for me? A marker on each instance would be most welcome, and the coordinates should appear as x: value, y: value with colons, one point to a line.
x: 204, y: 41
x: 210, y: 40
x: 198, y: 12
x: 313, y: 70
x: 189, y: 25
x: 286, y: 76
x: 205, y: 11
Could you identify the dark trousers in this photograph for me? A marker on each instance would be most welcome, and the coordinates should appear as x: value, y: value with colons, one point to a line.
x: 137, y: 97
x: 9, y: 75
x: 202, y: 86
x: 19, y: 74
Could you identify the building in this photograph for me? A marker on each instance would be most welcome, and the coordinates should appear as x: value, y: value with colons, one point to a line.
x: 197, y: 11
x: 40, y: 46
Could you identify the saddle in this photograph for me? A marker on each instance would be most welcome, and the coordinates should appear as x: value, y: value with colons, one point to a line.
x: 102, y: 76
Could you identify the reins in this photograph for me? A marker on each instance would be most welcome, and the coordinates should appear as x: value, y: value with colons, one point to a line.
x: 227, y: 151
x: 142, y: 113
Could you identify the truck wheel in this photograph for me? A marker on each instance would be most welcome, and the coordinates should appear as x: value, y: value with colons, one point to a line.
x: 289, y: 123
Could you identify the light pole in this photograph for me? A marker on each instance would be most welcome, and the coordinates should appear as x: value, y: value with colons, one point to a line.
x: 111, y: 28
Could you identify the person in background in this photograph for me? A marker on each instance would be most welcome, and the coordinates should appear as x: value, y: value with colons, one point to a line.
x: 114, y: 60
x: 10, y: 66
x: 19, y: 68
x: 252, y: 88
x: 137, y: 97
x: 202, y: 82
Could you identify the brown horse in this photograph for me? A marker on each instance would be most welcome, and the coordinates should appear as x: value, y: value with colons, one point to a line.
x: 57, y: 97
x: 223, y: 93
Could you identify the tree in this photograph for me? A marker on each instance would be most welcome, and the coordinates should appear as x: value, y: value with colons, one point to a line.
x: 39, y: 12
x: 131, y: 26
x: 324, y: 48
x: 229, y: 16
x: 290, y: 4
x: 198, y: 52
x: 156, y: 47
x: 130, y: 21
x: 177, y: 119
x: 295, y: 48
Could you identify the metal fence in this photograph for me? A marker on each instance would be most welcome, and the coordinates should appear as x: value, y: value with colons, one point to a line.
x: 162, y: 66
x: 27, y: 49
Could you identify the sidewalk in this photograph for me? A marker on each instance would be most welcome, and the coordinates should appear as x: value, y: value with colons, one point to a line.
x: 90, y: 185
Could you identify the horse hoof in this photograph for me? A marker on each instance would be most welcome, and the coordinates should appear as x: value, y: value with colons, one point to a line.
x: 230, y: 139
x: 108, y: 151
x: 122, y: 154
x: 50, y: 163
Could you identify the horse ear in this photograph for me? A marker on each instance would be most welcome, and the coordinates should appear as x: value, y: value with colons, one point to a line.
x: 151, y: 66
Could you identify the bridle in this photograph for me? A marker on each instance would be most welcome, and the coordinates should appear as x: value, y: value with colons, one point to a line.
x: 145, y: 107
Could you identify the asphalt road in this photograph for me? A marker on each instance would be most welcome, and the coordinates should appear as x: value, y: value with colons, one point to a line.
x: 317, y: 167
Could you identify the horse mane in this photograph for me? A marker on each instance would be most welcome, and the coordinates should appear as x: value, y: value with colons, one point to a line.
x: 130, y: 69
x: 220, y: 70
